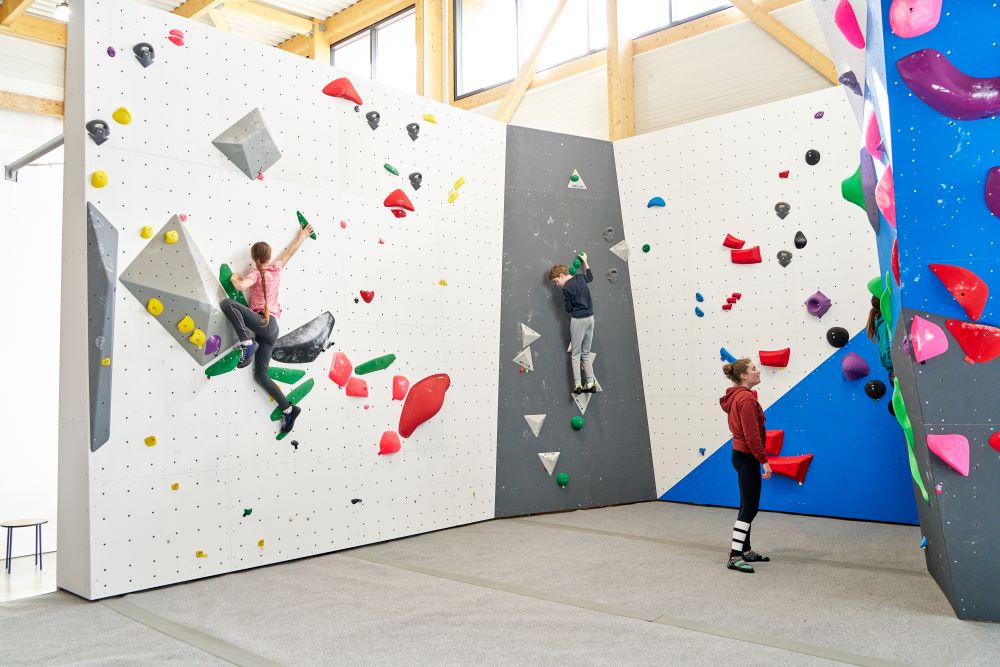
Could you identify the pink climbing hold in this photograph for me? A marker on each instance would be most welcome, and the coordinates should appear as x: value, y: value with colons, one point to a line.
x: 423, y: 402
x: 992, y: 192
x: 847, y: 22
x: 980, y: 342
x: 873, y: 136
x: 357, y: 387
x: 953, y: 449
x: 340, y: 369
x: 885, y: 196
x: 926, y: 339
x: 854, y: 367
x: 389, y: 444
x: 176, y: 37
x: 400, y: 385
x: 912, y: 18
x: 343, y: 225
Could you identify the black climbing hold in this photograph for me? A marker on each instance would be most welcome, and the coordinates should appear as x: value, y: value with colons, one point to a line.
x: 613, y: 275
x: 295, y: 444
x: 851, y: 81
x: 416, y: 178
x: 98, y: 131
x: 837, y: 336
x: 800, y: 240
x: 357, y: 108
x: 413, y: 130
x: 812, y: 156
x: 609, y: 234
x: 355, y: 299
x: 303, y: 345
x: 373, y: 117
x: 784, y: 257
x: 144, y: 53
x: 875, y: 389
x: 355, y: 501
x: 782, y: 209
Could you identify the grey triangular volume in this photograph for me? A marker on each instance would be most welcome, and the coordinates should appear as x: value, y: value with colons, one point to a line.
x: 523, y: 359
x: 535, y: 423
x: 528, y: 335
x: 549, y: 460
x: 582, y: 401
x: 249, y: 145
x: 102, y: 269
x: 620, y: 249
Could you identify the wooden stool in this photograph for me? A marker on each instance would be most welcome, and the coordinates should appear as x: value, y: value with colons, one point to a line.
x: 24, y: 523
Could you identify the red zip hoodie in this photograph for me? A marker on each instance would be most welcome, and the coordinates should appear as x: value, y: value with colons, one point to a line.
x: 746, y: 421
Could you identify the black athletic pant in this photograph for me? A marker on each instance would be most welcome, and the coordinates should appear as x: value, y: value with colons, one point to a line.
x: 244, y: 321
x: 748, y: 473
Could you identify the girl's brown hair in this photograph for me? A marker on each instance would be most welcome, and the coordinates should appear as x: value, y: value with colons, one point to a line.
x: 260, y: 252
x: 736, y: 370
x: 876, y: 311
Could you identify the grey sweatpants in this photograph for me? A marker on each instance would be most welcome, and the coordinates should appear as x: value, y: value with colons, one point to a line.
x: 581, y: 335
x: 245, y: 321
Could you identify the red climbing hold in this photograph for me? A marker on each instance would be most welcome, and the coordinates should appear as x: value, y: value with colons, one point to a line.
x: 980, y: 342
x: 343, y: 88
x: 968, y: 289
x: 176, y: 37
x: 399, y: 203
x: 894, y: 260
x: 995, y: 441
x: 732, y: 299
x: 423, y: 402
x: 727, y: 306
x: 389, y: 444
x: 775, y: 441
x: 367, y: 295
x: 733, y: 242
x: 777, y: 358
x: 340, y: 369
x: 400, y: 385
x: 357, y: 387
x: 746, y: 256
x: 791, y: 466
x: 737, y: 295
x: 783, y: 174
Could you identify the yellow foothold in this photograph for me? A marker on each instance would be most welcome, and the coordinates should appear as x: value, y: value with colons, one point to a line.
x: 146, y: 232
x: 200, y: 554
x: 197, y: 338
x: 99, y: 178
x: 460, y: 182
x: 429, y: 117
x: 452, y: 197
x: 186, y: 325
x: 155, y: 307
x: 150, y: 440
x: 106, y: 361
x: 122, y: 115
x: 175, y: 486
x: 170, y: 236
x: 443, y: 282
x: 260, y: 543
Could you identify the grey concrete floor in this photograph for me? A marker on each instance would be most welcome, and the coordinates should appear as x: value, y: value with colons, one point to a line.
x: 636, y: 584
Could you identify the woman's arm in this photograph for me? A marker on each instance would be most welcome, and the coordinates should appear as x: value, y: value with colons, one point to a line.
x: 241, y: 283
x: 294, y: 246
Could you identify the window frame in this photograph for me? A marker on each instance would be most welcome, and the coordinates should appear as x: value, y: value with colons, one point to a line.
x: 372, y: 32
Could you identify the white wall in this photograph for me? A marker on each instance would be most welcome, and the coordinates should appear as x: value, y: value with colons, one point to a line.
x: 31, y: 217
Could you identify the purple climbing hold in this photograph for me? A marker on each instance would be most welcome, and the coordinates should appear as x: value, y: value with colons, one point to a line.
x: 854, y: 366
x: 993, y: 191
x: 818, y: 304
x: 818, y: 115
x: 948, y: 90
x: 851, y: 81
x: 213, y: 345
x: 111, y: 51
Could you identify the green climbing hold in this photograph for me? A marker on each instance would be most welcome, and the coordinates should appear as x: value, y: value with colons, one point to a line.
x: 303, y: 222
x: 247, y: 511
x: 875, y: 286
x: 562, y: 479
x: 286, y: 375
x: 575, y: 177
x: 576, y: 423
x: 226, y: 280
x: 392, y: 170
x: 294, y: 396
x: 850, y: 189
x: 885, y: 303
x: 577, y: 263
x: 224, y: 365
x: 376, y: 364
x: 572, y: 270
x: 899, y: 407
x: 645, y: 247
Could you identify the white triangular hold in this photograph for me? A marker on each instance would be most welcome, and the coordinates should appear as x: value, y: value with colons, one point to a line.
x: 569, y: 348
x: 549, y: 461
x: 523, y: 359
x: 535, y: 423
x: 582, y: 401
x: 528, y: 335
x: 578, y: 184
x: 620, y: 249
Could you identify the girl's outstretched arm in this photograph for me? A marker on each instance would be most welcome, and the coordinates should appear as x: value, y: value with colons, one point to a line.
x: 295, y: 245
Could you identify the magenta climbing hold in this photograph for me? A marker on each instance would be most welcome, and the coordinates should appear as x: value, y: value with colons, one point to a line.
x: 980, y: 342
x: 894, y: 260
x: 400, y: 385
x: 948, y: 90
x: 926, y: 339
x: 953, y: 449
x: 342, y: 88
x: 389, y: 444
x: 423, y: 402
x: 912, y: 18
x: 873, y: 137
x: 968, y: 289
x: 992, y: 192
x: 885, y: 196
x: 818, y: 304
x: 746, y: 255
x: 733, y: 242
x: 341, y: 369
x: 847, y: 23
x: 854, y: 366
x: 357, y: 387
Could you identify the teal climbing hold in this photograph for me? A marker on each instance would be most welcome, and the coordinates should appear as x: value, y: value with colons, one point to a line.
x: 392, y: 170
x: 286, y: 375
x: 645, y: 247
x: 303, y: 222
x: 576, y: 422
x: 294, y: 396
x: 376, y: 364
x: 562, y: 479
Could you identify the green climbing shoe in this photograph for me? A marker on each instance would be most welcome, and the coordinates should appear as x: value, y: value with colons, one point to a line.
x: 739, y: 565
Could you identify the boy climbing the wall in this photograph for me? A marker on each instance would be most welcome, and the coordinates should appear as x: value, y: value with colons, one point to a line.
x: 576, y: 296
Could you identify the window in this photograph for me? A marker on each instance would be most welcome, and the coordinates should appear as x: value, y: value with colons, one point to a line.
x: 385, y: 52
x: 493, y: 38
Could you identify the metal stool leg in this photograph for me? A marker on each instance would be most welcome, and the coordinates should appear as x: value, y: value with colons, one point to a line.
x: 10, y: 532
x: 36, y: 545
x: 39, y: 546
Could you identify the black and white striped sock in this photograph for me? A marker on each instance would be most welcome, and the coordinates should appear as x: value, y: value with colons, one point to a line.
x: 741, y: 538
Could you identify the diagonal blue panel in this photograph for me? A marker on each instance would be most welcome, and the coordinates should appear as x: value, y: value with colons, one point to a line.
x: 860, y: 469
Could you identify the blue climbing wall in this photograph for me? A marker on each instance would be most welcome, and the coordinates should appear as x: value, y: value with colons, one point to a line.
x: 860, y: 466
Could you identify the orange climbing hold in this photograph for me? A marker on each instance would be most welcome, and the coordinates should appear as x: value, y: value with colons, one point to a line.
x: 776, y: 358
x: 342, y: 88
x: 423, y: 402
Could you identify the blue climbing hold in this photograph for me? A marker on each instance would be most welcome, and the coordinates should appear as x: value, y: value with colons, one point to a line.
x: 724, y: 353
x: 699, y: 312
x: 698, y: 297
x: 923, y: 542
x: 655, y: 201
x: 701, y: 450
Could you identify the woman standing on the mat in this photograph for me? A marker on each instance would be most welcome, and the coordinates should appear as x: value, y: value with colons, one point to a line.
x: 260, y: 320
x: 746, y: 422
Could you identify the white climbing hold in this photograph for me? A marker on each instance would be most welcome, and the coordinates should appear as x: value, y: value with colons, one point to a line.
x: 523, y: 359
x: 528, y: 335
x: 549, y: 461
x: 621, y: 250
x: 582, y: 401
x: 535, y: 423
x: 576, y: 184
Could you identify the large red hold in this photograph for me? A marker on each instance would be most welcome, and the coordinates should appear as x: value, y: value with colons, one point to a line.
x: 791, y: 466
x: 968, y: 289
x: 746, y: 255
x: 389, y: 444
x: 342, y: 87
x: 399, y: 203
x: 423, y: 402
x: 340, y: 369
x: 980, y: 342
x: 777, y: 358
x: 774, y: 442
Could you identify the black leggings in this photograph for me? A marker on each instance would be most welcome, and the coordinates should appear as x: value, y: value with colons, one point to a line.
x: 748, y: 472
x: 244, y: 321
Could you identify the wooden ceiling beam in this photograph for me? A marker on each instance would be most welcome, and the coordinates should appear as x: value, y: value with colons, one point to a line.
x: 30, y: 104
x: 523, y: 80
x: 194, y: 9
x: 788, y: 38
x: 11, y: 10
x: 37, y: 29
x: 219, y: 19
x: 347, y: 22
x: 621, y: 82
x: 282, y: 19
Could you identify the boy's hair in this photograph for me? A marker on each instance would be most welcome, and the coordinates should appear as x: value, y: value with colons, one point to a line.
x: 558, y: 270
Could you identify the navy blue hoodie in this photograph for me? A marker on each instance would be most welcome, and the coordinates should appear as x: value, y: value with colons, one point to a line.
x: 576, y: 294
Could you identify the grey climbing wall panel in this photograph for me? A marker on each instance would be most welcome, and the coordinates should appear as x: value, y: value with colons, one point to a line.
x: 545, y: 221
x: 102, y: 267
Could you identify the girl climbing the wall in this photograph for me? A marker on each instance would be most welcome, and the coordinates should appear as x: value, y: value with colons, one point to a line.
x: 878, y: 332
x: 746, y: 422
x: 260, y: 320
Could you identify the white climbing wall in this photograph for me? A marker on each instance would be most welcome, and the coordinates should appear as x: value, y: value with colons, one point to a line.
x: 122, y: 526
x: 719, y: 176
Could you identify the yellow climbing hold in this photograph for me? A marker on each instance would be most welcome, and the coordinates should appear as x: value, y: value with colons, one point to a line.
x: 460, y: 182
x: 122, y: 115
x: 452, y: 197
x: 260, y: 543
x: 197, y: 338
x: 99, y: 178
x: 150, y: 440
x: 106, y: 361
x: 443, y: 282
x: 186, y: 325
x: 430, y: 118
x: 200, y: 554
x: 170, y: 236
x: 146, y: 232
x: 155, y: 307
x: 175, y: 486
